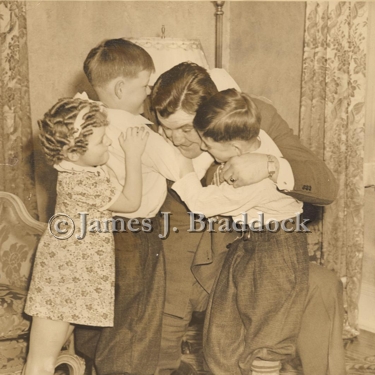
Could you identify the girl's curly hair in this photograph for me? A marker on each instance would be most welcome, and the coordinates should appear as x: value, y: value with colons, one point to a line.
x: 57, y: 128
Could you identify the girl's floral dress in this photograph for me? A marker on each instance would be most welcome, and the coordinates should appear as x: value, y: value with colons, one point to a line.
x: 73, y: 279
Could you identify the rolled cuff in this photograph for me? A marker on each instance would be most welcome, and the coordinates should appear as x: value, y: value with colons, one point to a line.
x: 285, y: 179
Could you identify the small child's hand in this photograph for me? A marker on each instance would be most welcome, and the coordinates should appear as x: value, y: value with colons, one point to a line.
x: 134, y: 142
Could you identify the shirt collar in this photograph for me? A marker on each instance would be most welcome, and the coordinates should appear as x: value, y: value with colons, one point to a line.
x: 127, y: 116
x: 135, y: 119
x: 262, y: 149
x: 68, y: 166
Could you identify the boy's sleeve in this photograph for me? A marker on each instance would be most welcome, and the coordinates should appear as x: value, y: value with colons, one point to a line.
x: 162, y: 157
x: 218, y: 200
x: 158, y: 154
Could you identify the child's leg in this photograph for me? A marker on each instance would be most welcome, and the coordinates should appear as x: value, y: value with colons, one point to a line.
x: 272, y: 284
x: 257, y: 305
x: 46, y: 340
x: 223, y: 337
x: 132, y: 345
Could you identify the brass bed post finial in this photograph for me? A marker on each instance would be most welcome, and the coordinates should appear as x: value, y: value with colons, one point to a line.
x: 219, y: 33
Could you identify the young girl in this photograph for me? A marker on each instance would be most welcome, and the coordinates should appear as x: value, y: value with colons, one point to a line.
x: 258, y: 301
x: 73, y: 277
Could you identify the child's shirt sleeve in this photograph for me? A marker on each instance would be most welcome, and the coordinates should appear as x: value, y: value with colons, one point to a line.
x: 219, y: 200
x: 159, y: 156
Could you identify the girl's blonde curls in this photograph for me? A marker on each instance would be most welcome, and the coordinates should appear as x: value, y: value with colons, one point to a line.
x: 57, y: 132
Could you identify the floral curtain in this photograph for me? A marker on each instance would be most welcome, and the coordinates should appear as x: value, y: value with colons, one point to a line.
x: 16, y: 151
x: 332, y: 124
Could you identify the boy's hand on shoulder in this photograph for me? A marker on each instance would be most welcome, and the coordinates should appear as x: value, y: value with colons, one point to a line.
x: 133, y: 143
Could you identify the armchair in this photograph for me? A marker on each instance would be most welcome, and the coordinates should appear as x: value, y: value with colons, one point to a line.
x: 19, y: 236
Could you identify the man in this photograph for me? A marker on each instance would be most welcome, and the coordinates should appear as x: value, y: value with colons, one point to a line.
x: 193, y: 260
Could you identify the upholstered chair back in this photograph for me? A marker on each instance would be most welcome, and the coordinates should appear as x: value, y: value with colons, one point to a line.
x: 19, y: 236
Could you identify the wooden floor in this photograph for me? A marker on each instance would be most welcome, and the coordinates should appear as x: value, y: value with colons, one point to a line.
x: 360, y: 354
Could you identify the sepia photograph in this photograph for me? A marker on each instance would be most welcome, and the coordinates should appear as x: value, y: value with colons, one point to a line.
x: 187, y: 187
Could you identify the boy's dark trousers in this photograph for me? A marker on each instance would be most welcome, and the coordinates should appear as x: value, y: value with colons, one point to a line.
x: 258, y: 302
x: 133, y: 344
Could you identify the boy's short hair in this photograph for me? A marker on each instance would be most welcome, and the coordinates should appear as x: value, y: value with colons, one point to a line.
x: 116, y: 58
x: 185, y: 86
x: 57, y: 130
x: 228, y: 115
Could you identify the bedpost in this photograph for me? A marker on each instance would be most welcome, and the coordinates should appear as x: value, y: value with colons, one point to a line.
x: 219, y: 33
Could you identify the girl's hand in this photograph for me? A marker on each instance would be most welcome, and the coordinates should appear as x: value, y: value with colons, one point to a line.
x: 134, y: 142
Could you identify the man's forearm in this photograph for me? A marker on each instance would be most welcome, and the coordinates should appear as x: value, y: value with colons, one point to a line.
x: 317, y: 185
x: 313, y: 181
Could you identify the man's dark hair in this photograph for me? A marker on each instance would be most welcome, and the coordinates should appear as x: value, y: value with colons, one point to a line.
x: 186, y: 86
